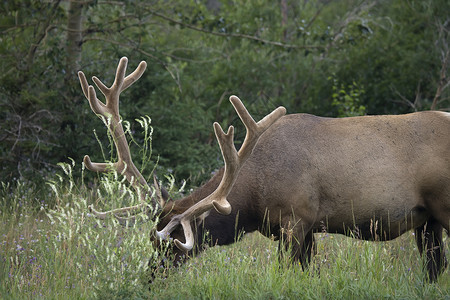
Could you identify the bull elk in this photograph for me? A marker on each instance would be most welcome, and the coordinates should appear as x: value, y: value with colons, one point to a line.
x: 295, y: 174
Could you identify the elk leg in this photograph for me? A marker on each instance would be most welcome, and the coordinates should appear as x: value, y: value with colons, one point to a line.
x: 301, y: 247
x: 308, y: 249
x: 429, y: 239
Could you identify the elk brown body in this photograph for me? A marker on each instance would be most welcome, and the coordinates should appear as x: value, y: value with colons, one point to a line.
x: 374, y: 177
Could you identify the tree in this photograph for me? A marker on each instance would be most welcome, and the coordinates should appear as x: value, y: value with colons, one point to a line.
x: 269, y: 53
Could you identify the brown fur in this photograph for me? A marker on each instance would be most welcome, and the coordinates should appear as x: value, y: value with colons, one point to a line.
x: 374, y: 176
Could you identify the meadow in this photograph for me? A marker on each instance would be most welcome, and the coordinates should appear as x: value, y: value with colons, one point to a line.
x: 52, y: 248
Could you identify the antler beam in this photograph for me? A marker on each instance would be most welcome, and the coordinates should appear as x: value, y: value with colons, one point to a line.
x: 234, y: 161
x: 109, y: 111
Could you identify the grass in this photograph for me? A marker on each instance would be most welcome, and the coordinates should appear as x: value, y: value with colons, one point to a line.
x: 52, y: 248
x: 343, y: 269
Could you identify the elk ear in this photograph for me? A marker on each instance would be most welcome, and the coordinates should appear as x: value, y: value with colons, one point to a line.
x: 161, y: 195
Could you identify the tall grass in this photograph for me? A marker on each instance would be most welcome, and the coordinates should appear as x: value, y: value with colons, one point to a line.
x: 62, y: 252
x: 344, y: 268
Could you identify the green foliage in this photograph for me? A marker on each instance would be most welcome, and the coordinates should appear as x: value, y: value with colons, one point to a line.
x: 198, y: 56
x: 399, y: 58
x: 347, y: 100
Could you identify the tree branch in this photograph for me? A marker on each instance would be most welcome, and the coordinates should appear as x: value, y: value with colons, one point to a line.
x: 235, y: 35
x: 135, y: 48
x: 350, y: 17
x: 42, y: 34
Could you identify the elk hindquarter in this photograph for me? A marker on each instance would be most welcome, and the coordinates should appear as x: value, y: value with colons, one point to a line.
x: 349, y: 172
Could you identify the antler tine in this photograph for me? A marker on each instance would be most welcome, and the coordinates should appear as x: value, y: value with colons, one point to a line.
x: 94, y: 167
x: 118, y: 212
x: 234, y: 160
x: 133, y: 77
x: 84, y: 83
x: 110, y: 111
x: 120, y: 74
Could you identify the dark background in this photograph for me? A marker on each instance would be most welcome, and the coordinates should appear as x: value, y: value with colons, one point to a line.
x: 330, y: 58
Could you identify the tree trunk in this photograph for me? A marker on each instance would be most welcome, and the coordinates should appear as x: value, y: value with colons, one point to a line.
x: 284, y: 18
x: 74, y: 39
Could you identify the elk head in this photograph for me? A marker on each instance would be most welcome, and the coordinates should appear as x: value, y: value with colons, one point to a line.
x: 217, y: 199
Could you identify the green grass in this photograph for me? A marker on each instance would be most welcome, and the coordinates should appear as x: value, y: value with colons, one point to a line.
x: 51, y: 248
x: 344, y: 268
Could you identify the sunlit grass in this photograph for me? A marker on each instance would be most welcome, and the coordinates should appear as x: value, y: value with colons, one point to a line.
x: 63, y: 251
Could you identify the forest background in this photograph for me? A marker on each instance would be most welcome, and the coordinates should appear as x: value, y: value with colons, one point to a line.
x: 330, y: 58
